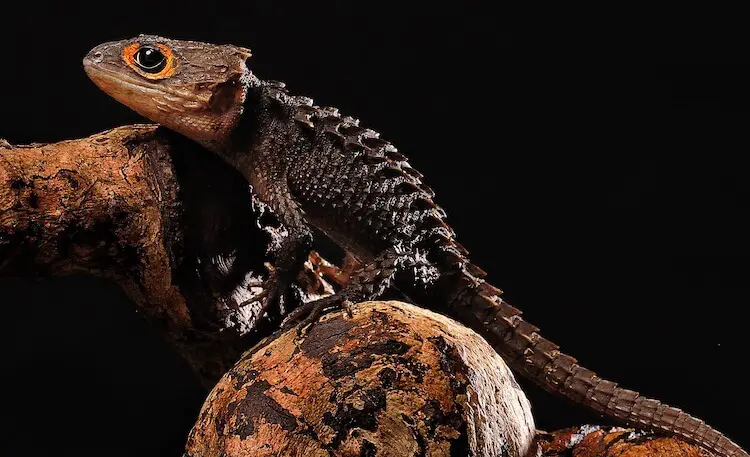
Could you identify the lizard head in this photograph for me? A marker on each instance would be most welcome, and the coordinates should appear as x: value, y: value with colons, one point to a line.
x: 194, y: 88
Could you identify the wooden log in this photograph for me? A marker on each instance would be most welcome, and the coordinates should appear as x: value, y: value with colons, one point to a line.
x: 169, y: 222
x: 394, y: 380
x: 596, y: 441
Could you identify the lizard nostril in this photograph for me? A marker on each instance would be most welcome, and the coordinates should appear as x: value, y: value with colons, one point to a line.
x: 98, y: 56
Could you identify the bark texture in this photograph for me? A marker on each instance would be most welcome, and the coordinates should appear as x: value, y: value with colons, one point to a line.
x: 595, y: 441
x: 394, y: 380
x: 173, y: 225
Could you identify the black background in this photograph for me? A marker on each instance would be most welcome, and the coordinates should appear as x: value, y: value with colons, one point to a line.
x: 599, y: 178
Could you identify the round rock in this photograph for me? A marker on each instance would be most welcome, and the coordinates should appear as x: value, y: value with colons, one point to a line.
x: 395, y: 380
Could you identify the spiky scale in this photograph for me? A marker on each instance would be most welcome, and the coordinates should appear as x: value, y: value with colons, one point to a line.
x: 475, y: 270
x: 374, y: 142
x: 352, y: 130
x: 427, y: 190
x: 413, y: 173
x: 391, y: 172
x: 407, y: 187
x: 397, y: 156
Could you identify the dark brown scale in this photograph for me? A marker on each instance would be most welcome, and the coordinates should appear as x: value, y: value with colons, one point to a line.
x: 371, y: 159
x: 461, y: 248
x: 407, y: 188
x: 413, y: 172
x: 374, y: 143
x: 352, y: 130
x: 427, y: 190
x: 390, y: 173
x: 421, y: 204
x: 397, y: 156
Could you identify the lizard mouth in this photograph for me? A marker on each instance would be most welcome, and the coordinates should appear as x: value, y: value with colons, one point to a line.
x: 105, y: 79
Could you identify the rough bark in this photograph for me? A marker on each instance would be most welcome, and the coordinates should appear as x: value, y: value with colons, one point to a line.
x: 394, y: 380
x: 595, y: 441
x: 172, y: 225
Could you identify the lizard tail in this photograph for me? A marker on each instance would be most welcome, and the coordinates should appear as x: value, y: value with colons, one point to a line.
x: 478, y: 305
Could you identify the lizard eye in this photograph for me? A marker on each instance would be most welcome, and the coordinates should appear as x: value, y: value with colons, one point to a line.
x: 153, y: 61
x: 150, y: 59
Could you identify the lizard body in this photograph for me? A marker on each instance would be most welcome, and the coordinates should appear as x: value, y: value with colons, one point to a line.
x: 319, y: 170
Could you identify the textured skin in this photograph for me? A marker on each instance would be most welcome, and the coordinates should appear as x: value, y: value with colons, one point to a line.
x: 317, y: 169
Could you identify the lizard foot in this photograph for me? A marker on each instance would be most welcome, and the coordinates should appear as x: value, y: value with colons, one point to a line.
x: 308, y: 313
x: 275, y: 291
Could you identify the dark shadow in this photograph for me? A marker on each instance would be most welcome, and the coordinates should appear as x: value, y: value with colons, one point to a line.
x: 83, y: 374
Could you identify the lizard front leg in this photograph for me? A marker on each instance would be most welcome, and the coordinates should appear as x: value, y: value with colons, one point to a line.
x: 288, y: 261
x: 367, y: 283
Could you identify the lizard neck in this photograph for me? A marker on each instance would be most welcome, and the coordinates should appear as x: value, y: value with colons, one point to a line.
x: 264, y: 143
x: 234, y: 146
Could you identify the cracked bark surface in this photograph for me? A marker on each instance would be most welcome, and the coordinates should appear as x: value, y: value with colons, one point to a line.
x: 595, y: 441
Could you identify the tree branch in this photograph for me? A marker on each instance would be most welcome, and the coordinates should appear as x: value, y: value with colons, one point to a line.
x: 595, y: 441
x: 172, y: 225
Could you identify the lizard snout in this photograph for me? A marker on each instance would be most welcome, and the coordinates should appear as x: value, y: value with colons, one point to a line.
x: 92, y: 57
x: 101, y: 54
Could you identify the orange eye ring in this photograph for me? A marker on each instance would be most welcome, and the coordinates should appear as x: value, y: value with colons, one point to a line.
x: 130, y: 53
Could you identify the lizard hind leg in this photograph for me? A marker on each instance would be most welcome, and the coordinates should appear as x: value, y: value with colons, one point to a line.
x: 366, y: 283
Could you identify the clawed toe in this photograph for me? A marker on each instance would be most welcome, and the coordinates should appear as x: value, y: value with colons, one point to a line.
x: 310, y: 312
x: 311, y: 318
